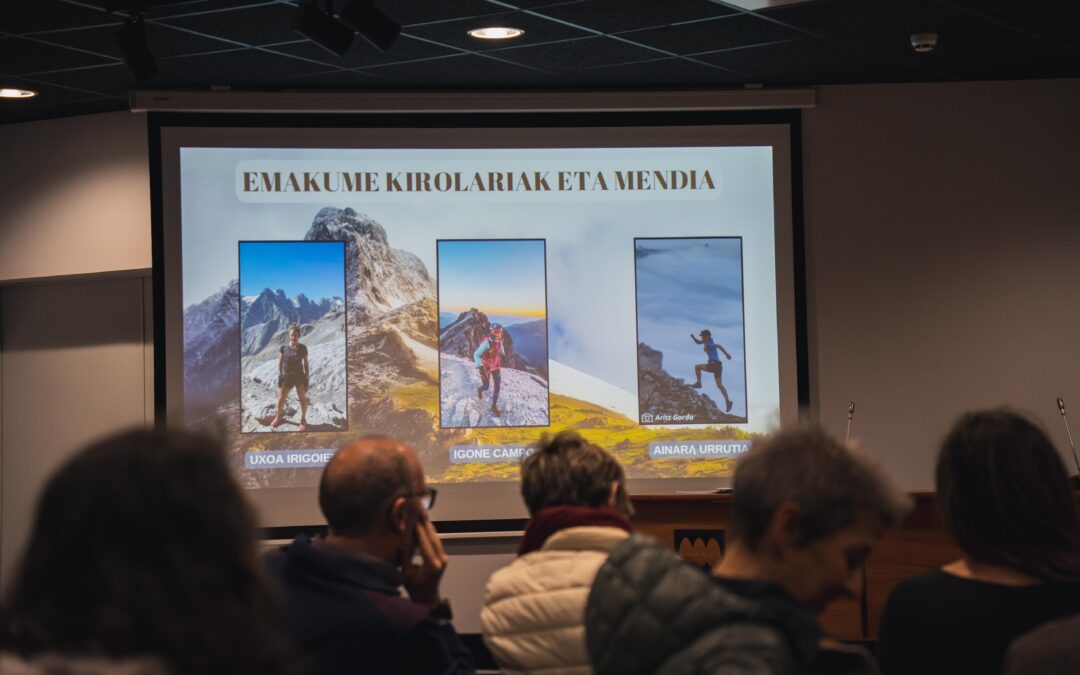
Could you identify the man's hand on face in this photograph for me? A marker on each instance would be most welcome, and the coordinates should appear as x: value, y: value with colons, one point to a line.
x: 422, y: 581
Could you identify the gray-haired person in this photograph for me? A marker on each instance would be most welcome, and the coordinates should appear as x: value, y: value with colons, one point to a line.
x: 806, y: 514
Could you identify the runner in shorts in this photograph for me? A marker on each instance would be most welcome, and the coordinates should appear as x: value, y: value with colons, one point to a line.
x: 293, y: 371
x: 714, y: 365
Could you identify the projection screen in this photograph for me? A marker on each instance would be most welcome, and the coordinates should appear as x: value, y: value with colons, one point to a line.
x: 468, y: 286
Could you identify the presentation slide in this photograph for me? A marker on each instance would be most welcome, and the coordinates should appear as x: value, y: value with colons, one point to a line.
x: 468, y: 300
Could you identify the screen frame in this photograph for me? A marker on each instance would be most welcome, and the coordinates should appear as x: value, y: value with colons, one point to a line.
x: 296, y: 507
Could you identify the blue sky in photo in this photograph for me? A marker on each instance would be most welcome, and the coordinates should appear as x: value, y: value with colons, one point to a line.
x: 316, y: 269
x: 498, y: 277
x: 684, y: 286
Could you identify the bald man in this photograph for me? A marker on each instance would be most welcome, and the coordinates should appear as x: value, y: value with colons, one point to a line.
x: 342, y: 592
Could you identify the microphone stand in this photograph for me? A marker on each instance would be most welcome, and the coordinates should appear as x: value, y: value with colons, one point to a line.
x: 1074, y: 480
x: 850, y: 417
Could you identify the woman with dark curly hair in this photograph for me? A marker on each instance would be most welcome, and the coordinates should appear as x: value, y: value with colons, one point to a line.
x: 1005, y: 498
x: 142, y: 559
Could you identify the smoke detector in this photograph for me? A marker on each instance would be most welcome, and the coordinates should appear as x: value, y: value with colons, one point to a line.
x: 924, y: 42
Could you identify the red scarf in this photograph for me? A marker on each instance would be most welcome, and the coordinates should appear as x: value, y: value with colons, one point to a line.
x: 547, y: 522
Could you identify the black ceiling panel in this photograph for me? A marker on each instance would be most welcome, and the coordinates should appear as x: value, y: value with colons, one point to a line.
x: 853, y: 17
x: 70, y: 55
x: 467, y: 69
x: 112, y: 80
x: 409, y: 12
x: 156, y: 9
x: 668, y: 72
x: 27, y: 16
x: 574, y: 55
x: 19, y: 56
x: 740, y: 30
x: 337, y: 80
x: 363, y: 54
x: 614, y: 16
x: 798, y: 63
x: 258, y: 25
x: 1056, y: 21
x: 243, y: 68
x: 163, y: 41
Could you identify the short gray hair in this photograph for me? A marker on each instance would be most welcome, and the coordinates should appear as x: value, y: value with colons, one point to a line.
x: 829, y: 482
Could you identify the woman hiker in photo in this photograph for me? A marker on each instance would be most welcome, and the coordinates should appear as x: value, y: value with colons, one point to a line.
x: 488, y: 358
x: 293, y: 370
x: 714, y: 365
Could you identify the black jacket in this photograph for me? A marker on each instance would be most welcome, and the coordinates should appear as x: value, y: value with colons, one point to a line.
x: 346, y: 615
x: 649, y: 611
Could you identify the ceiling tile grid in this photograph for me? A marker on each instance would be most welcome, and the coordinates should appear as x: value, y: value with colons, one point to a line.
x: 66, y: 48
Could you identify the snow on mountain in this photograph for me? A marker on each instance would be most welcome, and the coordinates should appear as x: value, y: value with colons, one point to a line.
x: 211, y: 339
x: 523, y: 397
x: 272, y: 312
x: 574, y: 383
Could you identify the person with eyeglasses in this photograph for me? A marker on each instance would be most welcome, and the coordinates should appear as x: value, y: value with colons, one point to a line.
x: 342, y: 592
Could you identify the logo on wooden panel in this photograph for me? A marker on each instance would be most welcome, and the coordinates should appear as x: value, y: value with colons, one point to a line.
x: 704, y: 548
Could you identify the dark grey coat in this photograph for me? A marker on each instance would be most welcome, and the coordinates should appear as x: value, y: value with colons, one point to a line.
x: 649, y: 611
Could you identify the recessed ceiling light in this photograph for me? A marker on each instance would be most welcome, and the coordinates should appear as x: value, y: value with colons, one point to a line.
x: 496, y: 33
x: 17, y: 93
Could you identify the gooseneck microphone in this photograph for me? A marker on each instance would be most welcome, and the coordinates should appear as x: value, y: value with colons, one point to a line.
x: 850, y: 417
x: 1072, y: 446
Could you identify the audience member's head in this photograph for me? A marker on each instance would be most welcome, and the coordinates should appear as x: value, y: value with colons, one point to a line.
x: 567, y: 470
x: 373, y: 490
x: 1004, y: 495
x: 143, y: 546
x: 807, y: 511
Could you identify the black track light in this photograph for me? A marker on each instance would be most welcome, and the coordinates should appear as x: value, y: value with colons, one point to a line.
x: 370, y: 22
x: 322, y: 29
x: 139, y: 59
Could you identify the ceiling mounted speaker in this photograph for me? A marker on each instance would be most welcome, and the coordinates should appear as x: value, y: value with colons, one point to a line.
x: 371, y: 23
x: 322, y: 29
x: 139, y: 59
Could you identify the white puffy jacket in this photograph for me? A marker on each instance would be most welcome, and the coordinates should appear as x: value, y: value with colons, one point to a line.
x: 534, y: 608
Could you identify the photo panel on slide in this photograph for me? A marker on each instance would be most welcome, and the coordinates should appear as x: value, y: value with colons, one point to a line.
x: 691, y: 348
x: 289, y: 385
x: 493, y: 347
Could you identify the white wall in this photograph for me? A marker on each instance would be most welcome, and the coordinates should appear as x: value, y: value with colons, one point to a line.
x: 76, y: 196
x: 943, y: 235
x: 74, y: 362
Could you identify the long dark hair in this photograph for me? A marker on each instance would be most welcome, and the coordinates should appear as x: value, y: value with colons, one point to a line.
x: 1004, y: 495
x: 143, y: 546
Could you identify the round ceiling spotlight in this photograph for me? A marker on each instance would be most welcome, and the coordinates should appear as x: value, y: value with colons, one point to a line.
x: 924, y: 42
x: 496, y: 33
x: 7, y: 92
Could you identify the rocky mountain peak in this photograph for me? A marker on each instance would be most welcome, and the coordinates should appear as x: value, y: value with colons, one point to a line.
x: 379, y: 279
x: 334, y: 224
x: 660, y: 392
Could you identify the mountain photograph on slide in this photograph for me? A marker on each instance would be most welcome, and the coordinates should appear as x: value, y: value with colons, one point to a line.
x: 292, y: 336
x: 493, y: 352
x: 691, y: 346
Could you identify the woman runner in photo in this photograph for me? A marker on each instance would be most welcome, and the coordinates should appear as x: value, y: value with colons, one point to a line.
x: 293, y: 371
x: 714, y: 365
